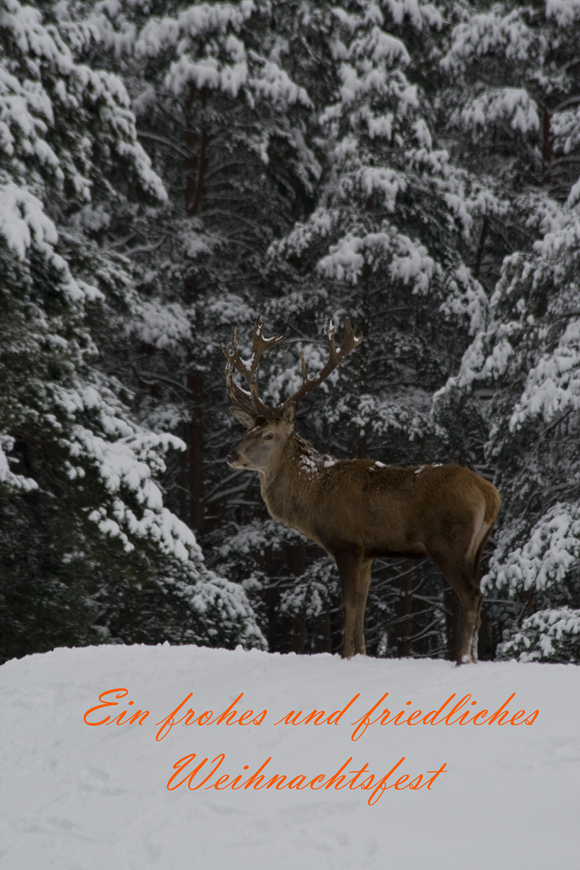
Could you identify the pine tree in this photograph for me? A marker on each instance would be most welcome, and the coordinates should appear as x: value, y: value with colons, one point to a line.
x: 529, y: 356
x: 320, y: 161
x: 520, y: 122
x: 88, y: 550
x: 225, y: 123
x: 509, y: 106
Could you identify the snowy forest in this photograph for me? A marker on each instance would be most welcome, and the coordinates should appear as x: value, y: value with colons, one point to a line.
x: 171, y: 171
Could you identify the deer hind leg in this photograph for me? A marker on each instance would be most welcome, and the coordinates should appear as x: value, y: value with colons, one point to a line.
x: 482, y: 537
x: 364, y: 582
x: 460, y: 566
x: 464, y: 580
x: 349, y: 569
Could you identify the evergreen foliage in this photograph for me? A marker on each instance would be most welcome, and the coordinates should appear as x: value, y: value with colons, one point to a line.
x: 518, y: 382
x: 84, y: 525
x: 170, y: 170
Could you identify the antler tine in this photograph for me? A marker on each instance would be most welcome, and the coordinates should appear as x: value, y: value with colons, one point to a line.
x: 349, y: 342
x: 249, y: 401
x: 235, y: 355
x: 260, y: 344
x: 238, y: 396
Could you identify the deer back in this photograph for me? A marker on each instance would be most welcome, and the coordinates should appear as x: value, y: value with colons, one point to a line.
x: 377, y: 509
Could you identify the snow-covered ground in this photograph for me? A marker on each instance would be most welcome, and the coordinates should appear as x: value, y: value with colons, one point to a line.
x: 76, y: 797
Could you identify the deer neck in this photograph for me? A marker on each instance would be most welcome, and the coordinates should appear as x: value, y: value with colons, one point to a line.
x: 289, y: 487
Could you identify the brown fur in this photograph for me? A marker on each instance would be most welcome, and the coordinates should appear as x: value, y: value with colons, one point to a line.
x: 358, y: 510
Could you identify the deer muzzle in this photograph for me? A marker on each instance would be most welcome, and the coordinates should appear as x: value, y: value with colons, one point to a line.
x: 232, y: 458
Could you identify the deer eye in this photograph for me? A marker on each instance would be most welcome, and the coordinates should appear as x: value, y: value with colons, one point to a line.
x: 268, y: 436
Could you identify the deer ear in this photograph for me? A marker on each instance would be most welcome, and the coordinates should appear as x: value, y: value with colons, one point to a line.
x: 289, y: 413
x: 243, y: 417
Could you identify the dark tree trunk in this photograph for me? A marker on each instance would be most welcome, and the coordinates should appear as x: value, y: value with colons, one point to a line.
x: 403, y: 628
x: 194, y: 454
x: 547, y: 142
x: 323, y: 638
x: 452, y: 622
x: 296, y: 561
x: 196, y: 165
x: 481, y: 247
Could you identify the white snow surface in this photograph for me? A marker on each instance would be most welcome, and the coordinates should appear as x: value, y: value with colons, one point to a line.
x: 76, y: 797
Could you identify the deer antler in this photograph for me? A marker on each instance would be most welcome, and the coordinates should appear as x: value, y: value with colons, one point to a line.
x: 349, y: 342
x: 249, y: 400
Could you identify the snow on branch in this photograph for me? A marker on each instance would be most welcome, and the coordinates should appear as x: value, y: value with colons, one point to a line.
x: 489, y: 32
x: 10, y: 482
x: 546, y: 636
x: 513, y: 106
x: 549, y: 551
x: 408, y: 259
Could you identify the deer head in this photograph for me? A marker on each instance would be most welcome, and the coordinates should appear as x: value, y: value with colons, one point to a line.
x: 270, y: 428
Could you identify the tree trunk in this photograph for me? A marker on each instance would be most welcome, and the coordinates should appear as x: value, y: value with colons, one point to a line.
x: 196, y: 164
x: 547, y: 142
x: 403, y: 628
x: 194, y: 454
x: 323, y: 639
x: 481, y: 247
x: 452, y: 622
x: 296, y: 561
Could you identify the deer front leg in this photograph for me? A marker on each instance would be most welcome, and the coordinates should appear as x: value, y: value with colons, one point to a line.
x: 349, y: 566
x: 364, y: 583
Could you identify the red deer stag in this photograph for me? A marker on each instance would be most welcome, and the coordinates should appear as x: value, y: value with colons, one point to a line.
x: 358, y: 509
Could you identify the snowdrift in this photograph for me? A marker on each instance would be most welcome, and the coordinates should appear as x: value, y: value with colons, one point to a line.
x: 184, y: 757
